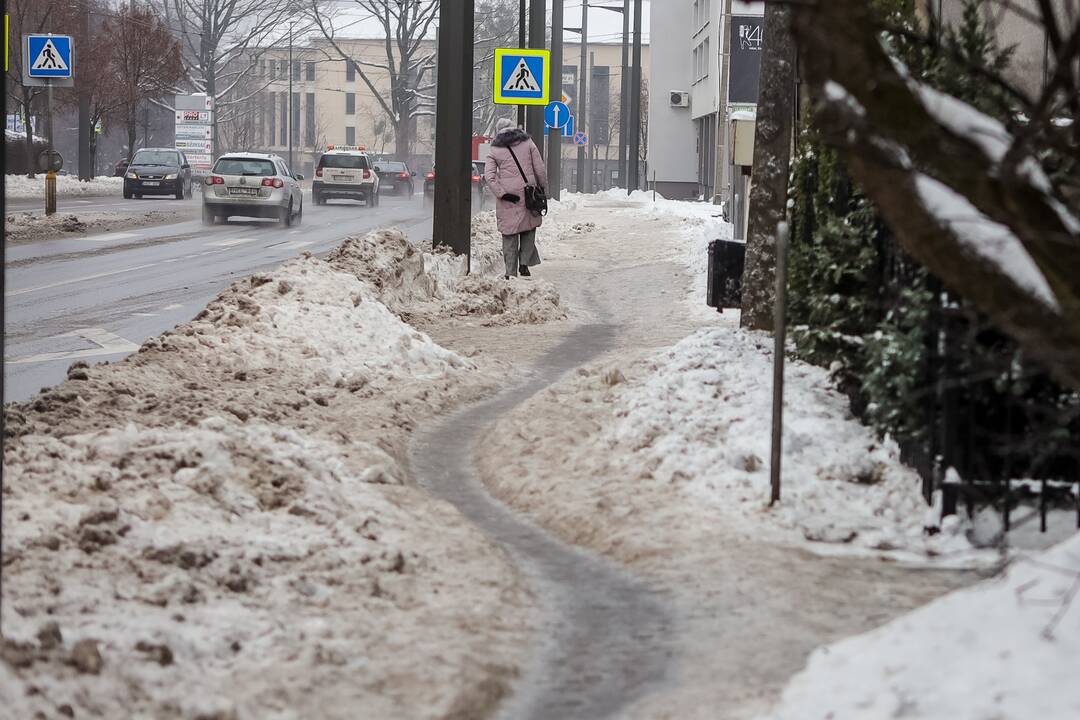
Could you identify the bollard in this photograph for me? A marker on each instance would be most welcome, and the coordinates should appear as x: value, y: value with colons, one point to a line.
x: 50, y: 193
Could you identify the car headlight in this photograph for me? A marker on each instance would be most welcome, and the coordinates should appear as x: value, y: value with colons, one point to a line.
x: 133, y: 175
x: 170, y: 176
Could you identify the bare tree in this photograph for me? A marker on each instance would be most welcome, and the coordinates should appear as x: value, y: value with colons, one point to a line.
x: 223, y: 41
x: 407, y: 58
x: 965, y: 195
x: 146, y: 63
x: 496, y: 26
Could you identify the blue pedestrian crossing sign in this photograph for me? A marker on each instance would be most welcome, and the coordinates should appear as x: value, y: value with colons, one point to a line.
x: 521, y: 76
x: 49, y: 57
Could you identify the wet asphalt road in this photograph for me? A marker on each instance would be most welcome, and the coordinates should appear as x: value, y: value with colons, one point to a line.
x: 97, y: 298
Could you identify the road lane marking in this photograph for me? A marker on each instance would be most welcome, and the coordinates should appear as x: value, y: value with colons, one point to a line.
x: 143, y: 314
x: 174, y: 306
x: 111, y: 237
x: 108, y: 344
x: 72, y: 281
x: 295, y: 244
x: 230, y: 242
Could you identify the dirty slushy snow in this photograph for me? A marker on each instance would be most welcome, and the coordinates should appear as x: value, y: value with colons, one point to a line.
x: 220, y: 525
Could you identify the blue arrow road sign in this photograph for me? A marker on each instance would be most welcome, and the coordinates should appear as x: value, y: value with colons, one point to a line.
x: 49, y: 56
x: 556, y: 115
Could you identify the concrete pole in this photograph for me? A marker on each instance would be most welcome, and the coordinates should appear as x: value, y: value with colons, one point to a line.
x: 289, y: 120
x: 85, y: 171
x: 634, y: 161
x: 522, y: 43
x: 555, y: 142
x: 582, y: 123
x: 624, y: 84
x: 453, y: 129
x: 537, y: 39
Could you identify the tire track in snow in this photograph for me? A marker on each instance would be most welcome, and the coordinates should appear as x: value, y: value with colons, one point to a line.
x: 604, y: 637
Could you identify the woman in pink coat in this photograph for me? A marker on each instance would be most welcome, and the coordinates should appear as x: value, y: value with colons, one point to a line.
x: 516, y: 223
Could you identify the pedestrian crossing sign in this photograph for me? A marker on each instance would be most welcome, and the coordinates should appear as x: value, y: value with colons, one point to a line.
x: 521, y: 76
x: 48, y: 56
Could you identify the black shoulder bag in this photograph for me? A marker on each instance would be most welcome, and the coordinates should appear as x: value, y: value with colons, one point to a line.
x: 535, y: 197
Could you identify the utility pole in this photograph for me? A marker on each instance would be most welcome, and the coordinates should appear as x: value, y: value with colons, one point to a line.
x: 85, y: 171
x: 583, y: 97
x: 289, y: 120
x: 634, y: 170
x: 537, y: 39
x: 453, y: 129
x: 555, y: 141
x: 722, y: 181
x: 624, y: 83
x: 522, y: 43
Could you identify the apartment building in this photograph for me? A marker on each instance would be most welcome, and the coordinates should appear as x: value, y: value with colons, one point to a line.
x: 689, y: 117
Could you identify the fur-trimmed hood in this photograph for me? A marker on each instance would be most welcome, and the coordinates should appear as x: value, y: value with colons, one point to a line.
x: 510, y: 137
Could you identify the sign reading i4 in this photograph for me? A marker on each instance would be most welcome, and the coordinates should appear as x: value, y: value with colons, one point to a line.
x: 49, y: 56
x: 521, y: 76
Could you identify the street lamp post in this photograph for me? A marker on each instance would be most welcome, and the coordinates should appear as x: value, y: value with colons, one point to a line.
x: 634, y: 162
x: 555, y: 140
x: 289, y: 119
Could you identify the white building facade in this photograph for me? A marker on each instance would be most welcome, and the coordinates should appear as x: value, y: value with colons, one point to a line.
x: 686, y: 132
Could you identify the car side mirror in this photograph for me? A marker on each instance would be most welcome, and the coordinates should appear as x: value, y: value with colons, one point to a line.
x: 414, y: 173
x: 185, y: 166
x: 298, y: 176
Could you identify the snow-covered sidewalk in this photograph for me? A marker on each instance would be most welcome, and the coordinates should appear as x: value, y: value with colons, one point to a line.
x: 20, y: 187
x: 24, y: 227
x: 221, y: 525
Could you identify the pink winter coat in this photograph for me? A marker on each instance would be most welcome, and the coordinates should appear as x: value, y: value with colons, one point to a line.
x: 503, y: 177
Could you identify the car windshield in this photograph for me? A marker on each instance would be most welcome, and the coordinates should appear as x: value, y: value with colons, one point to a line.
x: 391, y: 167
x: 244, y: 166
x: 155, y: 157
x: 353, y: 162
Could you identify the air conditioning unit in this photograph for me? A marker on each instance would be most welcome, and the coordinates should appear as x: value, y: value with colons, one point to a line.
x: 680, y: 98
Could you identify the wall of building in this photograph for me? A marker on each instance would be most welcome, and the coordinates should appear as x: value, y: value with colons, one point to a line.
x: 672, y: 144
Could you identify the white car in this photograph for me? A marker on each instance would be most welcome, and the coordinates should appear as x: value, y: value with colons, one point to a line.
x: 345, y: 173
x: 252, y: 185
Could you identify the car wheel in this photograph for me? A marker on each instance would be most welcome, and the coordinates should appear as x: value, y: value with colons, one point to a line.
x: 285, y: 216
x: 318, y: 200
x: 138, y: 196
x: 208, y: 218
x: 300, y: 214
x: 127, y: 194
x: 180, y: 192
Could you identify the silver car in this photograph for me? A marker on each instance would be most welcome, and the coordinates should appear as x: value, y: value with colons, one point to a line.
x: 252, y: 185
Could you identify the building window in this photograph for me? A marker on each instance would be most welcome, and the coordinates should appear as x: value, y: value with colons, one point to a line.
x: 309, y: 71
x: 273, y: 118
x: 350, y: 136
x: 350, y: 71
x: 283, y: 69
x: 296, y: 118
x: 702, y: 60
x: 309, y: 119
x: 350, y: 103
x: 283, y: 135
x: 296, y: 70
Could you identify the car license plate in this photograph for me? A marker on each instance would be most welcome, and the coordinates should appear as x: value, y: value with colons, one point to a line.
x: 151, y: 183
x: 243, y: 191
x: 343, y: 178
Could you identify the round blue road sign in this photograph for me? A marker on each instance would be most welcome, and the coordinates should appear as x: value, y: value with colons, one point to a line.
x: 556, y: 115
x: 581, y: 139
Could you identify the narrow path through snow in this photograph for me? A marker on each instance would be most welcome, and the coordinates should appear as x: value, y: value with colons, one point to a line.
x: 604, y: 634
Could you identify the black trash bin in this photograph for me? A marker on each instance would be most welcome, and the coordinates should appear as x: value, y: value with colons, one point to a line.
x: 724, y: 284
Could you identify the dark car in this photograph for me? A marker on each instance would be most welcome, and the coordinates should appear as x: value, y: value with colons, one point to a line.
x: 395, y: 177
x: 120, y: 168
x: 158, y: 171
x: 479, y: 184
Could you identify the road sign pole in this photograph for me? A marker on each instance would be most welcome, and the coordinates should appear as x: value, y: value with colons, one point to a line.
x: 634, y: 161
x: 555, y: 137
x: 583, y: 98
x: 50, y: 177
x: 538, y: 41
x: 85, y: 171
x: 522, y: 43
x: 624, y: 83
x: 453, y: 129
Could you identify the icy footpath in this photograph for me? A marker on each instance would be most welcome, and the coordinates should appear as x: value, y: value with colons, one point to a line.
x: 219, y: 526
x: 1006, y: 648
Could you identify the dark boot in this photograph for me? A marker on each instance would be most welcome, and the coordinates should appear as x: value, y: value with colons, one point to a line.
x: 524, y: 271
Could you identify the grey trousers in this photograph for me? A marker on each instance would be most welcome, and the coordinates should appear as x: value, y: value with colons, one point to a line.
x: 518, y: 250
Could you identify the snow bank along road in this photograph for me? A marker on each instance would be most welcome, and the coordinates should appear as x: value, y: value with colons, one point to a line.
x: 98, y: 297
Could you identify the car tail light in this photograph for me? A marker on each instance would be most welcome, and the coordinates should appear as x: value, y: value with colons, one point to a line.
x: 273, y: 182
x: 476, y: 178
x: 430, y: 176
x: 318, y: 172
x: 215, y: 180
x: 403, y: 175
x: 367, y: 174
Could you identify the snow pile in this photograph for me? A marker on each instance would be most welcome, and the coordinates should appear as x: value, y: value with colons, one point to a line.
x: 217, y: 525
x: 1005, y: 648
x: 424, y: 287
x: 20, y: 187
x: 23, y: 227
x: 701, y: 421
